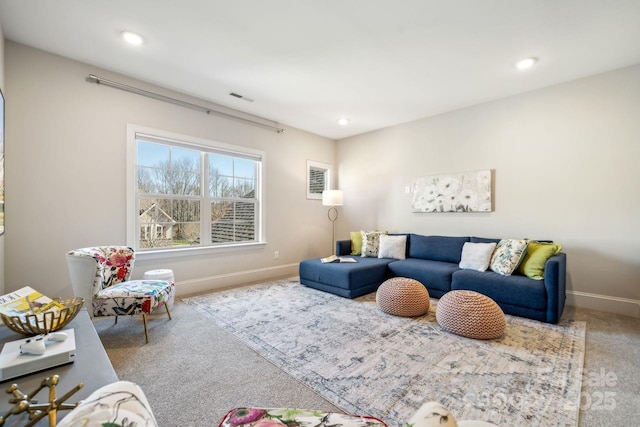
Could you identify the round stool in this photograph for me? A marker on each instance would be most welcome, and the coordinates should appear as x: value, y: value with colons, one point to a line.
x: 470, y: 314
x: 402, y: 296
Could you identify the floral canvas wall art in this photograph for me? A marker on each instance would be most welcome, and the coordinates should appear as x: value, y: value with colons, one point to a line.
x: 460, y: 192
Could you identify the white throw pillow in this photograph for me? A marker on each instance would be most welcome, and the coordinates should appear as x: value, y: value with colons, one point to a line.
x: 476, y: 256
x: 392, y: 247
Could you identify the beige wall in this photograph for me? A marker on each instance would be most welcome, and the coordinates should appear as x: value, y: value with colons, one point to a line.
x: 566, y: 168
x: 564, y: 160
x: 66, y: 176
x: 4, y: 92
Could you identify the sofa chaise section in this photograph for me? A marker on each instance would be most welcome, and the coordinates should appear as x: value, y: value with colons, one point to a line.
x: 349, y: 280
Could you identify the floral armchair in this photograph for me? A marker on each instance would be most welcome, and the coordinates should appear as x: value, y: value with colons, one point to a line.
x: 101, y: 275
x: 122, y: 403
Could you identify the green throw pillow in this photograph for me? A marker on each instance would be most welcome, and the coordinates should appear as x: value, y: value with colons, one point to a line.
x: 536, y: 257
x: 356, y: 242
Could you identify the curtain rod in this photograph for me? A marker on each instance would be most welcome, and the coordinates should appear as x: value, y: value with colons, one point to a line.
x: 159, y: 97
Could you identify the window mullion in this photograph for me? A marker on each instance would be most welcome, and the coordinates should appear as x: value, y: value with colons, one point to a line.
x: 257, y: 222
x: 205, y: 203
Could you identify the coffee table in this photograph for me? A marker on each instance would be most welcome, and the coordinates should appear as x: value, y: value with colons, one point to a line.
x: 91, y: 367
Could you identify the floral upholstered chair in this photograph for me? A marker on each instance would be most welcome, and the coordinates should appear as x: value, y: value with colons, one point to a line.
x: 122, y: 403
x: 101, y: 275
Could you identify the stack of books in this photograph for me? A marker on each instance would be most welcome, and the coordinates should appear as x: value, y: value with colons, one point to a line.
x: 334, y: 258
x: 27, y: 301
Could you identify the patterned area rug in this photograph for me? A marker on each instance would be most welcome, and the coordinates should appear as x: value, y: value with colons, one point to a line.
x: 369, y: 362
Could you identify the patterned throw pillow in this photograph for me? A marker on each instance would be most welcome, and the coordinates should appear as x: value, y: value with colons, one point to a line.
x: 117, y: 404
x: 508, y: 255
x: 393, y: 247
x: 477, y: 256
x: 371, y: 243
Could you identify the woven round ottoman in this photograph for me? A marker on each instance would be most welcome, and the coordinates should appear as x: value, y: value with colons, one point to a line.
x: 471, y: 315
x: 402, y: 296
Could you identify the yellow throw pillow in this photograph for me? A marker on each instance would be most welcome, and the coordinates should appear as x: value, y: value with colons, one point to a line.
x: 356, y: 242
x: 536, y: 257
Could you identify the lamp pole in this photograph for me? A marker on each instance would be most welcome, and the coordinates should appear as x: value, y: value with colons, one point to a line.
x: 332, y: 198
x: 333, y: 215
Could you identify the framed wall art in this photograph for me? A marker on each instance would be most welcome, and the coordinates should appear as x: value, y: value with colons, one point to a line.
x: 458, y: 192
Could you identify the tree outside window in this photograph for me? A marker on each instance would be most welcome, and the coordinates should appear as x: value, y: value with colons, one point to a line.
x: 174, y: 211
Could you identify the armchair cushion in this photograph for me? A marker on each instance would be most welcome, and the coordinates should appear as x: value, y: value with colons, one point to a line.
x: 283, y: 417
x: 118, y: 404
x: 133, y: 297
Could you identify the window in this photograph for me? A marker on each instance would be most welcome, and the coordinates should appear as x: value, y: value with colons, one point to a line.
x: 159, y: 231
x: 191, y: 193
x: 318, y: 179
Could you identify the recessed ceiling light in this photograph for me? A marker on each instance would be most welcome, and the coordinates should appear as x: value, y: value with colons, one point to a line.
x: 343, y: 121
x: 132, y: 38
x: 523, y: 64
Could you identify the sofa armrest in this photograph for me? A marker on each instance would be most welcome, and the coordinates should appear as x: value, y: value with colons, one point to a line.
x: 555, y: 282
x: 343, y: 247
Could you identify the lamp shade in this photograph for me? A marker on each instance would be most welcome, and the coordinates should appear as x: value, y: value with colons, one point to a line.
x: 332, y: 198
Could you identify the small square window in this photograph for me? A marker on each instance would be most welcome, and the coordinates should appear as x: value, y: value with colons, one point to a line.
x: 318, y: 179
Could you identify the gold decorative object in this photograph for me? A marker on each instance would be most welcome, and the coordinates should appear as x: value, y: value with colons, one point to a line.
x: 46, y: 322
x: 37, y: 411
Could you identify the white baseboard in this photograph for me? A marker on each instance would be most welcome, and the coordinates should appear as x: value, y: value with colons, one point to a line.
x: 624, y: 306
x: 189, y: 287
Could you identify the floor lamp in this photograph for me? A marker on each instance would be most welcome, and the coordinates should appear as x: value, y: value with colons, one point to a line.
x: 332, y: 198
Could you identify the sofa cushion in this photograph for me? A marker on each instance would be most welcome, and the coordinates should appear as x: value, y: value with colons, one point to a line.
x: 477, y: 256
x: 483, y: 240
x: 436, y: 248
x: 363, y: 272
x: 434, y: 275
x: 515, y: 290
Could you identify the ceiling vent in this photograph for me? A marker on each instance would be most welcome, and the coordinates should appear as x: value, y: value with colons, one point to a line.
x: 244, y: 98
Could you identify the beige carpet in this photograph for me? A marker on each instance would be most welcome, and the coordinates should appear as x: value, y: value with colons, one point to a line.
x: 193, y: 371
x: 369, y: 362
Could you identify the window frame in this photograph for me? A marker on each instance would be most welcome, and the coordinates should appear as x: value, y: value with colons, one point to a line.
x: 207, y: 146
x: 328, y: 174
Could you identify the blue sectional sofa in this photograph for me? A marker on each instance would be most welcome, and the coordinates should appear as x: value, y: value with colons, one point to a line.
x: 433, y: 261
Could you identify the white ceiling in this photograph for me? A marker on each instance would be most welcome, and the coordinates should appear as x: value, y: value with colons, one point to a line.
x: 307, y: 63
